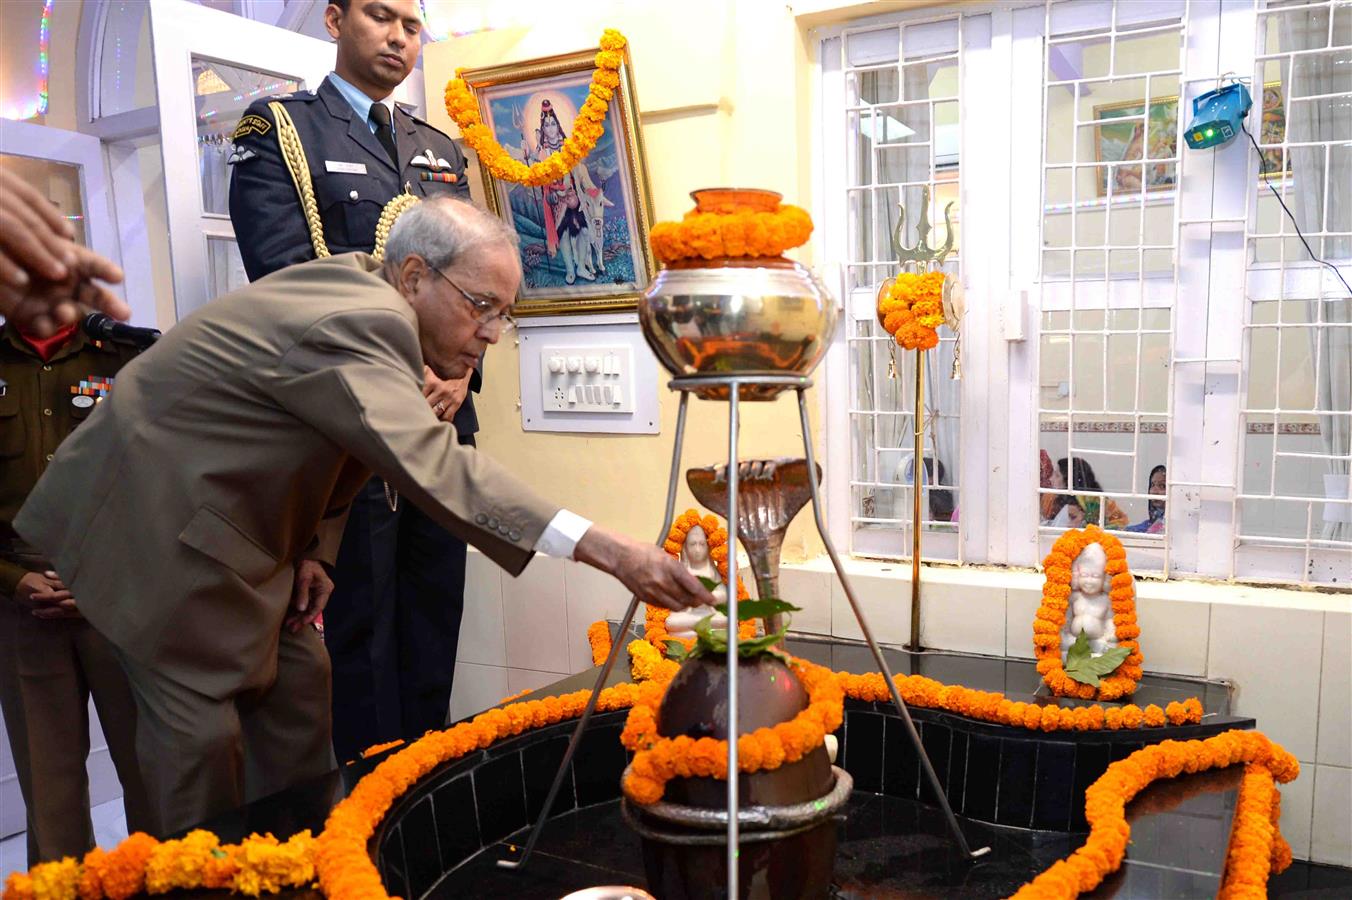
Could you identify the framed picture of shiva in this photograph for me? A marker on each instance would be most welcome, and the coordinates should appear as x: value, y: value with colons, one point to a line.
x: 584, y: 238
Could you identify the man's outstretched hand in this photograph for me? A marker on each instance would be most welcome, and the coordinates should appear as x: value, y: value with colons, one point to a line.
x: 44, y: 274
x: 647, y: 571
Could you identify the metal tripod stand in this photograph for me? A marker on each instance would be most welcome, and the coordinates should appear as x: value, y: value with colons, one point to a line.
x: 733, y: 384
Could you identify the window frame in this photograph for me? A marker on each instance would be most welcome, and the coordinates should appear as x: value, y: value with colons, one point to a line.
x: 1001, y: 201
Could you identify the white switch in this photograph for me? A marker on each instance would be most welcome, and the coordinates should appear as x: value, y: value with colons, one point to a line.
x: 574, y: 364
x: 572, y: 395
x: 616, y: 397
x: 556, y: 364
x: 609, y: 393
x: 593, y: 364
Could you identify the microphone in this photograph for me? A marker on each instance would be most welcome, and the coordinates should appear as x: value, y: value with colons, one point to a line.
x: 104, y: 328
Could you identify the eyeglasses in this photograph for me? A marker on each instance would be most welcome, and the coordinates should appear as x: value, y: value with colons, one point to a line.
x: 483, y: 309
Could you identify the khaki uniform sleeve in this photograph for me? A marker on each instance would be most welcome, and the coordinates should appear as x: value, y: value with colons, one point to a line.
x: 352, y: 377
x: 10, y: 576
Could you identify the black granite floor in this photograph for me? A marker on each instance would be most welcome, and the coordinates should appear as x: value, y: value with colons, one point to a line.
x: 889, y: 847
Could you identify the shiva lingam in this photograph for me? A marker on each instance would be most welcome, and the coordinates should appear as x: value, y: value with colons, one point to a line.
x: 770, y: 493
x: 786, y: 816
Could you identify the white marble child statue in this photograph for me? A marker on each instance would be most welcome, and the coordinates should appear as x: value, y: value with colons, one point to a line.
x: 695, y: 555
x: 1090, y: 609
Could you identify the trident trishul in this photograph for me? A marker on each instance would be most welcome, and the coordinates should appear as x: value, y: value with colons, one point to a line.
x: 922, y: 253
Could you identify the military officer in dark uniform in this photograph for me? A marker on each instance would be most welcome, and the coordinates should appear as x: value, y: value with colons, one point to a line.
x: 51, y: 659
x: 393, y: 621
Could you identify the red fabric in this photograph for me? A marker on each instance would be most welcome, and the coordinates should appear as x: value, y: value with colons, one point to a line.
x: 48, y: 346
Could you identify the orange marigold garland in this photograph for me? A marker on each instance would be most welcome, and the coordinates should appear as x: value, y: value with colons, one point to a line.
x: 1051, y: 617
x: 655, y: 618
x: 911, y: 309
x: 1251, y: 849
x: 992, y: 706
x: 731, y: 232
x: 344, y: 868
x: 260, y: 864
x: 598, y: 636
x: 587, y: 127
x: 1257, y: 847
x: 658, y: 759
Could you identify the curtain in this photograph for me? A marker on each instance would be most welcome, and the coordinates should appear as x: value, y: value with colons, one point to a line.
x: 1323, y: 202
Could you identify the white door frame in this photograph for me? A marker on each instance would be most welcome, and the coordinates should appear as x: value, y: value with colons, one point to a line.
x: 86, y: 152
x: 179, y: 31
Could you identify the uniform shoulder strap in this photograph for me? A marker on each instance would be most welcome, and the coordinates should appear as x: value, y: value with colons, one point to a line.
x: 288, y: 139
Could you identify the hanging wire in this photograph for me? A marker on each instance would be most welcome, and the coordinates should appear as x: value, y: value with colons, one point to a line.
x: 1262, y: 167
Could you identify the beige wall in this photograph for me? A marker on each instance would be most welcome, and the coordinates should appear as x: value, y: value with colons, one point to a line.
x: 712, y: 113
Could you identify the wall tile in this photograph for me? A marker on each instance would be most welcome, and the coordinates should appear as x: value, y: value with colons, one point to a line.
x: 1335, y: 692
x: 1298, y: 810
x: 1020, y: 606
x: 811, y: 590
x: 960, y: 617
x: 482, y: 636
x: 591, y: 595
x: 1331, y: 840
x: 536, y: 615
x: 886, y: 603
x: 519, y: 680
x: 476, y: 688
x: 1255, y: 648
x: 1174, y: 635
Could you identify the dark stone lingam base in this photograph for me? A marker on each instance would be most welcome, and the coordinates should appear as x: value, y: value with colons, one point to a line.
x: 444, y: 837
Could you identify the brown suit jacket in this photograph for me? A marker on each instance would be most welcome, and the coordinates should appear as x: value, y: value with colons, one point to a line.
x: 233, y: 447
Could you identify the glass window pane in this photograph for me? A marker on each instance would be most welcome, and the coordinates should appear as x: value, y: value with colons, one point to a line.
x: 225, y: 268
x: 58, y: 182
x: 223, y: 92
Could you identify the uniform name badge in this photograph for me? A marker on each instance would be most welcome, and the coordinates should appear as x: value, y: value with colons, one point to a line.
x: 345, y: 168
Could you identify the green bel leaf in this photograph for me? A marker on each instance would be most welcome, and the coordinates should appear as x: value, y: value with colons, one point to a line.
x: 1107, y: 662
x: 709, y: 583
x: 763, y: 644
x: 759, y: 609
x: 1079, y: 662
x: 676, y: 650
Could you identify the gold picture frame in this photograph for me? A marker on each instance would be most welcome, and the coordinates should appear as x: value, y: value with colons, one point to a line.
x: 1113, y: 141
x: 577, y: 255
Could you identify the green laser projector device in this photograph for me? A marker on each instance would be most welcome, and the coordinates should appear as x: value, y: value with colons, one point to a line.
x: 1216, y: 116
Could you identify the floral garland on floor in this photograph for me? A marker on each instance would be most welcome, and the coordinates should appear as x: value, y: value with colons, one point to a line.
x: 587, y: 128
x: 911, y: 308
x: 141, y: 864
x: 655, y: 617
x: 731, y: 233
x: 1257, y: 847
x: 1051, y: 617
x: 658, y: 759
x: 992, y: 706
x: 1253, y: 848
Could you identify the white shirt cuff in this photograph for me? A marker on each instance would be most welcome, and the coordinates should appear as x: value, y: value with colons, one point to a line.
x: 562, y: 534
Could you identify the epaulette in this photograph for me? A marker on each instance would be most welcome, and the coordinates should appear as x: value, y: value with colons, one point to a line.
x: 252, y: 123
x: 303, y: 96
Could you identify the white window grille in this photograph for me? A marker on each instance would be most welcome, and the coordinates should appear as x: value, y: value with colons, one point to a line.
x: 1110, y: 173
x: 1138, y: 303
x: 1292, y: 510
x: 901, y: 85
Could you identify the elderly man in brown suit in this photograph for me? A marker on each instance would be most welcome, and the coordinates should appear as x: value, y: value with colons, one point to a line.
x: 192, y: 511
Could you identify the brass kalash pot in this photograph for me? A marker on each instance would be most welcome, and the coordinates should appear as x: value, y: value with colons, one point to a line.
x: 738, y: 316
x: 742, y: 315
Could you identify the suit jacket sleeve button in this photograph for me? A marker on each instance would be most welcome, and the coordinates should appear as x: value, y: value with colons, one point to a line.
x: 493, y: 522
x: 515, y: 536
x: 481, y: 518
